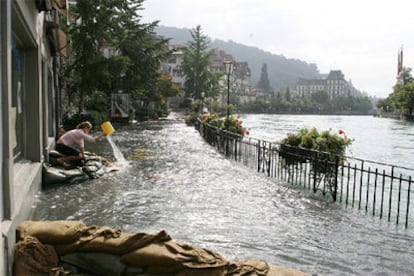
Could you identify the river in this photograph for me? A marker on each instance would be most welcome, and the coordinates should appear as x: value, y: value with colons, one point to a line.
x: 177, y: 182
x: 376, y: 139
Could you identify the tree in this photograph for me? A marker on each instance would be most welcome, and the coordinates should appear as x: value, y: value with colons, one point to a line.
x: 320, y: 97
x: 134, y: 67
x: 402, y: 97
x: 264, y: 83
x: 195, y: 64
x: 385, y: 105
x: 406, y: 76
x: 287, y: 95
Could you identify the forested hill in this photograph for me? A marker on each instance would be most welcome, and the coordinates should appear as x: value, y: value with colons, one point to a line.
x: 282, y: 72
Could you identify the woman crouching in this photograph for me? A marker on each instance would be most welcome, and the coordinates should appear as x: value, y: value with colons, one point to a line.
x: 75, y: 137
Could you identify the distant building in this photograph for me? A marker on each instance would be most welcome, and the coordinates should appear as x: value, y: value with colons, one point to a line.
x: 334, y: 84
x: 108, y: 50
x: 172, y: 67
x: 241, y: 91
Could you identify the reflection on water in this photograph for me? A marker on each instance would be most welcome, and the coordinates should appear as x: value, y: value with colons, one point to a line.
x: 176, y: 182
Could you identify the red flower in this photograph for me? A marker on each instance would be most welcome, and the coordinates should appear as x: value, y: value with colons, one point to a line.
x: 341, y: 131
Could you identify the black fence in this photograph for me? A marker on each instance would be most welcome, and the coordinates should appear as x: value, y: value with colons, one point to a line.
x: 375, y: 188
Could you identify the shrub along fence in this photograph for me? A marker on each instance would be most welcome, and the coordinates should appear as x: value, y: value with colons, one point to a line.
x: 379, y: 189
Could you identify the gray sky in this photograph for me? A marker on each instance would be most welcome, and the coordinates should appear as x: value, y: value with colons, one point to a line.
x: 360, y: 37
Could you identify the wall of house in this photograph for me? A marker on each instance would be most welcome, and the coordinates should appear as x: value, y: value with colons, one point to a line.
x: 24, y: 60
x: 2, y: 239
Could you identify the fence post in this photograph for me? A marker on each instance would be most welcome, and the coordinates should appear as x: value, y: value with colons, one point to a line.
x: 390, y: 198
x: 259, y: 153
x: 336, y: 178
x: 227, y: 143
x: 235, y: 147
x: 408, y: 202
x: 315, y: 159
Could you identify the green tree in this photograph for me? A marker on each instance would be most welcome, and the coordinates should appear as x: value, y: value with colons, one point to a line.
x: 264, y: 83
x: 214, y: 88
x: 406, y: 76
x: 385, y: 105
x: 403, y: 97
x: 195, y: 64
x: 145, y: 53
x: 134, y: 67
x: 320, y: 97
x: 287, y: 95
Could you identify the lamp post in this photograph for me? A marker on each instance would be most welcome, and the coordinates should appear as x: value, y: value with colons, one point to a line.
x: 228, y: 68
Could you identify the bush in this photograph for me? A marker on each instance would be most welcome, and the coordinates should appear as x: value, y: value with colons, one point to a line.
x: 326, y: 142
x: 324, y: 151
x: 233, y: 124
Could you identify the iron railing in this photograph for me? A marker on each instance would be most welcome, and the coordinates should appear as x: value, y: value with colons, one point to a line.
x: 375, y: 188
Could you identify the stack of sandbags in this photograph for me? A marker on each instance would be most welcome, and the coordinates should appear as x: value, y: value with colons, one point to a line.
x: 64, y: 247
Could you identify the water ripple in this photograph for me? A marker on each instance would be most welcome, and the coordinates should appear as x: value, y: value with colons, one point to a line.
x: 182, y: 185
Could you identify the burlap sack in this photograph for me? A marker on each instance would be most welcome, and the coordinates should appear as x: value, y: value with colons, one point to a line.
x: 249, y: 267
x: 276, y: 270
x: 107, y: 240
x: 172, y: 257
x: 52, y: 232
x: 217, y: 271
x: 95, y: 263
x: 31, y: 257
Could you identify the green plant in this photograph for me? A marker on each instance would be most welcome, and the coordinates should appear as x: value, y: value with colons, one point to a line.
x: 233, y: 124
x: 324, y: 151
x: 214, y: 120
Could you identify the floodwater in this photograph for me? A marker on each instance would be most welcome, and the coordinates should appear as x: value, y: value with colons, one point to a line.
x: 175, y: 181
x: 375, y: 139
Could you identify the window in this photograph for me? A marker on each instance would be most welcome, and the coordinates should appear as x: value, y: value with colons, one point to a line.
x: 17, y: 99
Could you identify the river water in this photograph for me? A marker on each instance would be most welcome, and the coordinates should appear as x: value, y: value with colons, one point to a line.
x: 376, y: 139
x: 177, y: 182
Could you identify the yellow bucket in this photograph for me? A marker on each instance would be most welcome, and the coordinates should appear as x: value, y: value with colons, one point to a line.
x: 107, y: 128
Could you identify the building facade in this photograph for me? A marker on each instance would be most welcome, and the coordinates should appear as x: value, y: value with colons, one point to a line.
x: 334, y: 84
x: 241, y: 91
x: 31, y: 46
x: 240, y: 88
x: 172, y: 68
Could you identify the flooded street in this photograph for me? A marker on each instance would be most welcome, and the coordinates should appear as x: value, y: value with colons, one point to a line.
x: 175, y: 181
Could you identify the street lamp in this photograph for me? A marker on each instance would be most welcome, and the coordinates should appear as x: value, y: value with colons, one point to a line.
x: 228, y: 68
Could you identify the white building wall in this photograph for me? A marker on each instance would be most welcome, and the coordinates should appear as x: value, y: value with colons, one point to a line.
x: 21, y: 170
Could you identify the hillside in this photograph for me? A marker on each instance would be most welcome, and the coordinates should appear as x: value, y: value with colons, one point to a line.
x: 283, y: 72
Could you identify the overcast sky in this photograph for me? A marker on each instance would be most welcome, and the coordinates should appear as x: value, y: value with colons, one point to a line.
x: 360, y: 37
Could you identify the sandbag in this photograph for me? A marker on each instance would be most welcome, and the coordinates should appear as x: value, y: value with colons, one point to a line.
x: 95, y: 263
x: 172, y: 257
x: 249, y: 267
x: 52, y: 232
x: 276, y: 270
x: 107, y: 240
x: 216, y: 271
x: 31, y: 257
